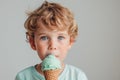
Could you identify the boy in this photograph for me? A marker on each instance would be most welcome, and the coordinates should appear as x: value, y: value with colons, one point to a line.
x: 51, y: 29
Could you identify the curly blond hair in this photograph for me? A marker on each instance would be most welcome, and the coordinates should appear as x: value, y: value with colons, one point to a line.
x: 51, y: 14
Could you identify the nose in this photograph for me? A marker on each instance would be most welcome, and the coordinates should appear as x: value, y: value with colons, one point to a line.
x: 52, y: 45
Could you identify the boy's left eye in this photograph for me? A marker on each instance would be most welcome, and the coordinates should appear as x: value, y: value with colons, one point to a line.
x: 61, y: 37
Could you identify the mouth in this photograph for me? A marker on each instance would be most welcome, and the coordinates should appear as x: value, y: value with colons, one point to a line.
x: 49, y: 54
x: 52, y: 54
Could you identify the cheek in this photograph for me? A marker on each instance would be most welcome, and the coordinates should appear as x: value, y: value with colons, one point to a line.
x: 65, y: 46
x: 63, y: 52
x: 40, y: 45
x: 41, y: 50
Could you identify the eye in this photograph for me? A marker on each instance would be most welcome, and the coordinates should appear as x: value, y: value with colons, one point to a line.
x: 61, y: 37
x: 43, y: 38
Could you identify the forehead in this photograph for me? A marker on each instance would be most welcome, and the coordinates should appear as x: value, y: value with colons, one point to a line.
x: 43, y: 27
x: 51, y: 25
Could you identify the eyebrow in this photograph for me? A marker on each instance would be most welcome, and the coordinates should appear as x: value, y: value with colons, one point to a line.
x: 63, y: 34
x: 41, y: 33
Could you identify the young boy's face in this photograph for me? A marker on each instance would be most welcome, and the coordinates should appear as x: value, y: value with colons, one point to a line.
x: 51, y: 42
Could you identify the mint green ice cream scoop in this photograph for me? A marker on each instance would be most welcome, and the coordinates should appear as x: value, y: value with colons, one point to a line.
x: 50, y: 63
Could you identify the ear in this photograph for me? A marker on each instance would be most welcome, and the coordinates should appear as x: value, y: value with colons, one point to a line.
x: 72, y: 40
x: 32, y: 43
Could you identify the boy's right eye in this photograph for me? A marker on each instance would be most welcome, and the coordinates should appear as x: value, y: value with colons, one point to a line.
x: 43, y: 38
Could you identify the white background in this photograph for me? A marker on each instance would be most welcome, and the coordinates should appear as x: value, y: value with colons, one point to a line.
x: 96, y: 51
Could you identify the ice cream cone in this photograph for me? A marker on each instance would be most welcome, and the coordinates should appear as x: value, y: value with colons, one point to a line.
x: 51, y: 67
x: 52, y: 74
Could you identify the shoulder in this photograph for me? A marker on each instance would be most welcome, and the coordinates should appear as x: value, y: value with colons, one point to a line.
x: 74, y: 69
x: 25, y: 72
x: 77, y: 72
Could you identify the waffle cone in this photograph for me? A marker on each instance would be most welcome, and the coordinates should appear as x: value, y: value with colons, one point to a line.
x: 52, y: 74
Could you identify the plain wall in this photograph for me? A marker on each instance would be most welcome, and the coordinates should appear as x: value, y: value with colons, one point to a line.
x: 96, y: 51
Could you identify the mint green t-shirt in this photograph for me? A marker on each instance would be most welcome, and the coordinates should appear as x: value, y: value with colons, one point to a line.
x: 70, y: 73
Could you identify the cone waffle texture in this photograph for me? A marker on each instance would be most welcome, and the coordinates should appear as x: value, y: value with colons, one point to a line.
x: 52, y: 74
